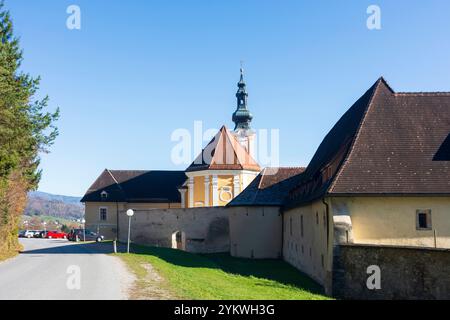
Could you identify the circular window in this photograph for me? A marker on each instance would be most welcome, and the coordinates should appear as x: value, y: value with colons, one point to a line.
x: 225, y: 194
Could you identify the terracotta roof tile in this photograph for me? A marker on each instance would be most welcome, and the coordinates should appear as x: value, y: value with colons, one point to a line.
x: 386, y: 143
x: 224, y: 152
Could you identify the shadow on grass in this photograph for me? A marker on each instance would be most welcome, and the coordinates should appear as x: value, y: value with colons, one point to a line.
x: 270, y: 269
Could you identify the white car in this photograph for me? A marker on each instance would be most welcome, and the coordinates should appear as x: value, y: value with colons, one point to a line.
x: 29, y: 234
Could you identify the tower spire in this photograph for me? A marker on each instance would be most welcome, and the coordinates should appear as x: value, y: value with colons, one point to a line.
x: 242, y: 116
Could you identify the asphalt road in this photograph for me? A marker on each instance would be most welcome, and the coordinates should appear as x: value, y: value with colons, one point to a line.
x: 62, y: 270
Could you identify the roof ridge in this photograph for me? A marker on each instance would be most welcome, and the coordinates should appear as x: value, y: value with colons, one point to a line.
x: 233, y: 141
x: 112, y: 176
x: 383, y: 80
x: 357, y: 134
x: 423, y: 93
x: 262, y: 174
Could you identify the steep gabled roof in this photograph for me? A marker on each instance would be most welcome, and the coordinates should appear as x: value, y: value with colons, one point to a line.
x: 224, y: 152
x: 268, y: 188
x: 386, y: 143
x: 400, y: 147
x: 331, y: 152
x: 137, y: 186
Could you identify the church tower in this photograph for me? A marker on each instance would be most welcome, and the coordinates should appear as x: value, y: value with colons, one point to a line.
x: 225, y: 166
x: 243, y: 118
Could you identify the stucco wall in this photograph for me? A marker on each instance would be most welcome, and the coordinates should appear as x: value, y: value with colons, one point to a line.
x: 311, y: 250
x: 392, y: 220
x: 205, y: 230
x: 255, y: 232
x: 406, y: 273
x: 108, y: 228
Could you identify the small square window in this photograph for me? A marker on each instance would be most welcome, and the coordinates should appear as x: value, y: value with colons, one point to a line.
x: 423, y: 220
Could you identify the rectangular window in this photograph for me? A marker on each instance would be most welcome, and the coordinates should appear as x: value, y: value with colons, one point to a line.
x: 423, y: 220
x: 301, y: 225
x: 290, y: 226
x: 103, y: 214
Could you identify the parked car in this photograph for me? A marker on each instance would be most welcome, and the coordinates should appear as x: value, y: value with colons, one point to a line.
x: 55, y: 235
x: 27, y: 234
x: 40, y: 234
x: 81, y: 235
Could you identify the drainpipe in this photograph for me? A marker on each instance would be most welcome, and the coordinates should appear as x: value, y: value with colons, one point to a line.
x: 327, y: 206
x: 282, y: 234
x: 329, y: 278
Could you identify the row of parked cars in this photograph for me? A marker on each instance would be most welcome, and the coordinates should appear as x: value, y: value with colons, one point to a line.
x: 74, y: 235
x: 42, y: 234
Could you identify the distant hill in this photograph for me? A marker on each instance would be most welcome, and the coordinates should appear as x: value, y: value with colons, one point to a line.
x: 46, y: 204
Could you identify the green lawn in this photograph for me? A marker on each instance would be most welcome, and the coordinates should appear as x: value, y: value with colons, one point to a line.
x: 219, y: 276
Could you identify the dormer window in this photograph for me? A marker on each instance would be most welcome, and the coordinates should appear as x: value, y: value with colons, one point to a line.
x: 104, y: 195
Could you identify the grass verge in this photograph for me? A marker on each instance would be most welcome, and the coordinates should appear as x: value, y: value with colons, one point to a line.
x: 217, y: 276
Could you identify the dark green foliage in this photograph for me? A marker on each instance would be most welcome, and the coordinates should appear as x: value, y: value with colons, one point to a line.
x: 26, y: 130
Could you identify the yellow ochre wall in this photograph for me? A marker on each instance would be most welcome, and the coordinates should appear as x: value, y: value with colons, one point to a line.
x: 223, y: 180
x: 199, y: 192
x: 392, y: 220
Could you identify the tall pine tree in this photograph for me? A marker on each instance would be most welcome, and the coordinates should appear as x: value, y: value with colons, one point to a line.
x: 26, y: 130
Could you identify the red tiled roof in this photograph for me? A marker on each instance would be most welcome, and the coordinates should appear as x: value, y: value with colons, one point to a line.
x: 386, y: 143
x: 224, y: 152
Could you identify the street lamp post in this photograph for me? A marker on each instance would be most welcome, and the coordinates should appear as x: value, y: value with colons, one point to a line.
x: 130, y: 213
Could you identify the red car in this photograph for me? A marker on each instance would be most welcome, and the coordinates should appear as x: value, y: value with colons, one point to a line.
x: 55, y: 235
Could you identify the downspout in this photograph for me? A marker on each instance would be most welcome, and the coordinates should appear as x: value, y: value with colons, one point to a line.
x: 327, y: 206
x: 329, y: 277
x: 282, y: 234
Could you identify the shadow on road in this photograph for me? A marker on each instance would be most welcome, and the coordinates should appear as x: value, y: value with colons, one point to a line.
x: 66, y: 247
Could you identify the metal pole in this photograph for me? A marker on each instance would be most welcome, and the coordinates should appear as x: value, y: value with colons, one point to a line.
x: 435, y: 238
x: 129, y: 229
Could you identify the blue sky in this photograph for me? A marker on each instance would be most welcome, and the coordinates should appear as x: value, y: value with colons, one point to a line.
x: 138, y: 70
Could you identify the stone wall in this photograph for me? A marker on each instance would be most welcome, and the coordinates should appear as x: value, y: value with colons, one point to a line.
x: 406, y: 272
x: 204, y: 230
